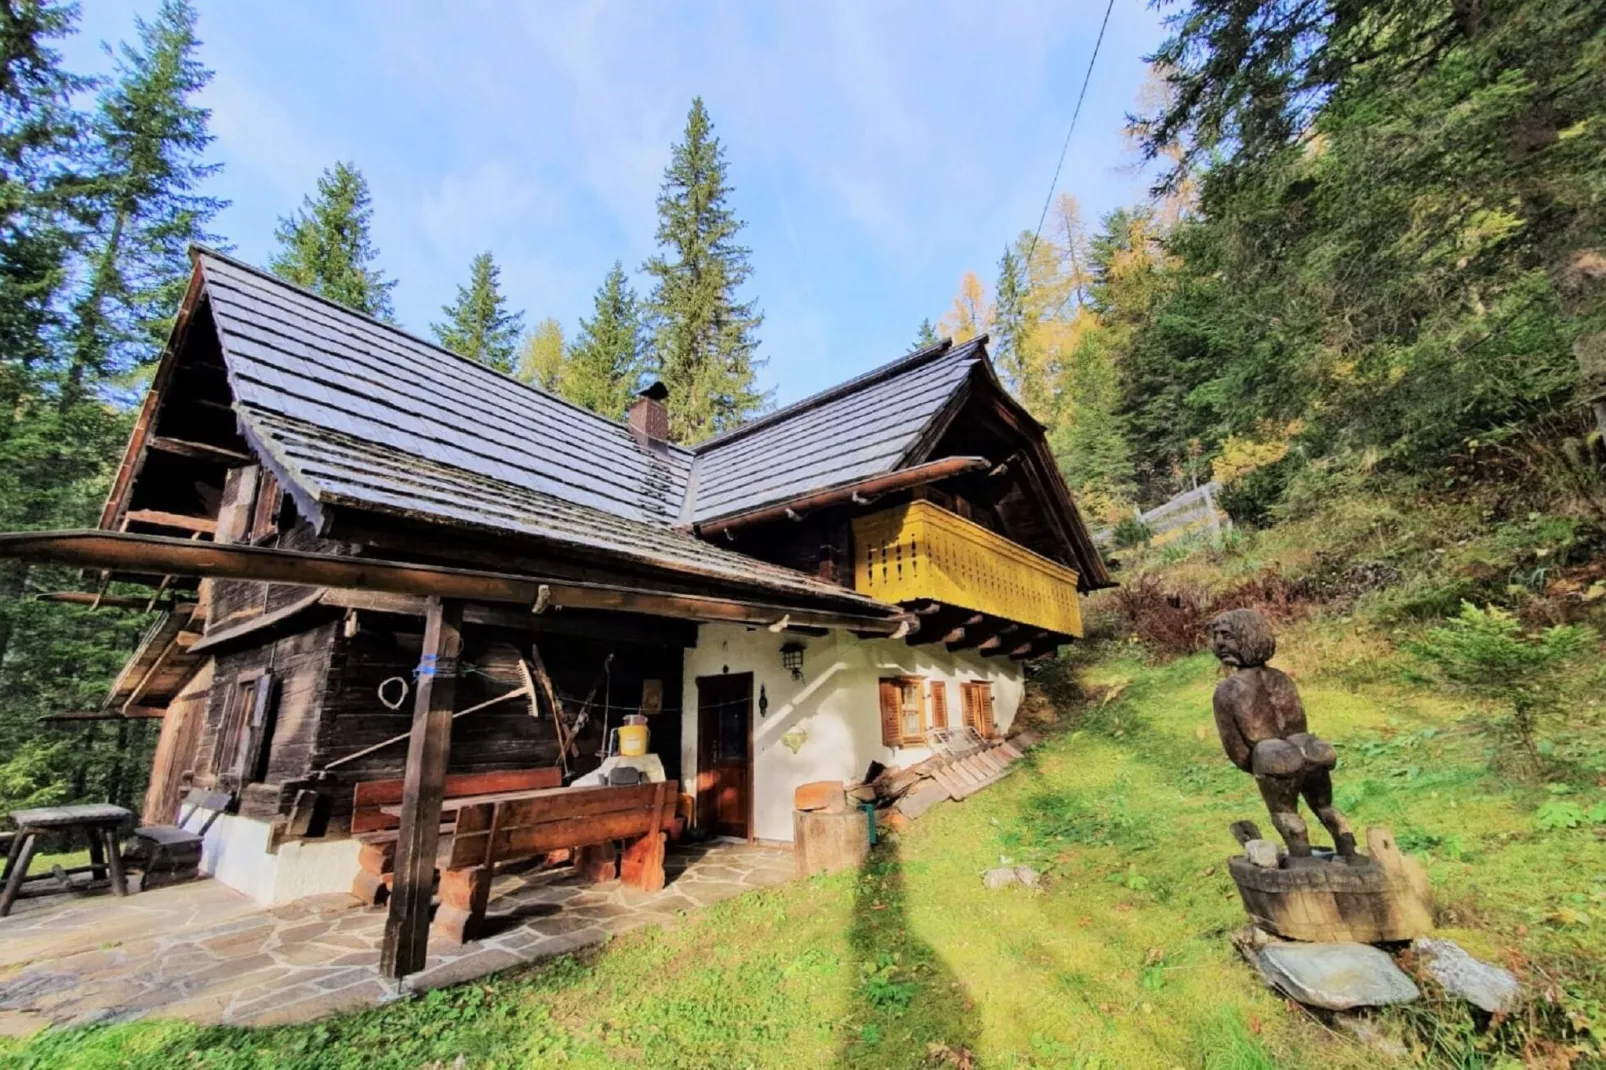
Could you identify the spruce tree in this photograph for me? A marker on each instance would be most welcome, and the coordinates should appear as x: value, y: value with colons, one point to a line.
x: 1009, y: 321
x: 326, y: 246
x: 148, y: 140
x: 704, y: 339
x: 607, y: 357
x: 39, y: 139
x: 478, y: 324
x: 925, y: 335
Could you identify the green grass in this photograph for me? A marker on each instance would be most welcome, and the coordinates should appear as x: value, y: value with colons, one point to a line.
x: 1123, y: 961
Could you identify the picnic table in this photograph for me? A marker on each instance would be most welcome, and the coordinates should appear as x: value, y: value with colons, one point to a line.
x: 100, y: 823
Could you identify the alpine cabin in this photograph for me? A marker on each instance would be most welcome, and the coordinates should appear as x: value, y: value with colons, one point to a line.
x: 789, y: 602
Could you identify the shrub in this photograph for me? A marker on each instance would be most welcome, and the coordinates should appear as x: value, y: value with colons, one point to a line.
x: 1486, y: 653
x: 1168, y: 622
x: 1131, y: 532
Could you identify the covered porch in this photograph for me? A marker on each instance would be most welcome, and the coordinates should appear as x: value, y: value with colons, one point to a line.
x: 205, y: 953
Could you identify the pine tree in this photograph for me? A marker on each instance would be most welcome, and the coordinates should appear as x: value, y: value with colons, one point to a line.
x: 925, y: 335
x: 148, y: 141
x: 606, y: 360
x: 326, y: 246
x: 478, y: 323
x: 1009, y: 322
x: 705, y: 340
x: 541, y: 356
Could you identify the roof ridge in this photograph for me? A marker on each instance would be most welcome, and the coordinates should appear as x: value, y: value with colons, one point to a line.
x: 907, y: 362
x: 198, y: 247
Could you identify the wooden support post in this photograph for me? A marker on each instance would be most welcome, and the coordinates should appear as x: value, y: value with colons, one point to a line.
x: 406, y: 939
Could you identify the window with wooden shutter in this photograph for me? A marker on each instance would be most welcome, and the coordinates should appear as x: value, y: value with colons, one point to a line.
x: 891, y: 698
x: 903, y: 715
x: 977, y: 697
x: 240, y: 751
x: 939, y: 704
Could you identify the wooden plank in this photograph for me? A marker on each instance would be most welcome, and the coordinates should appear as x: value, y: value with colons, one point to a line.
x: 249, y: 630
x: 576, y: 802
x: 406, y: 939
x: 158, y: 555
x: 565, y: 832
x: 181, y: 521
x: 201, y: 451
x: 461, y: 790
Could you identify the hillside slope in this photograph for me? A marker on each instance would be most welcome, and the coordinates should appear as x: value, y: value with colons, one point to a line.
x: 1123, y: 959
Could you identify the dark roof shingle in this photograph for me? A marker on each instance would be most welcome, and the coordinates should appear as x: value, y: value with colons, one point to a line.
x: 861, y: 428
x: 354, y: 413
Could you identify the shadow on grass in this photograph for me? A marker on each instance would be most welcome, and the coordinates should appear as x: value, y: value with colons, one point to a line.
x: 907, y: 1008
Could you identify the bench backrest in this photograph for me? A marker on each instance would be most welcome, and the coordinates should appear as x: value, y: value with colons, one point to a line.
x: 488, y: 833
x: 370, y: 795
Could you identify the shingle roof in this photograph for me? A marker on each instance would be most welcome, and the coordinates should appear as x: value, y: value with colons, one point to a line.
x: 355, y: 413
x: 860, y: 428
x: 291, y: 352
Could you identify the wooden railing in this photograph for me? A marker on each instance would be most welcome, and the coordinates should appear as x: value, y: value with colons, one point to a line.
x: 920, y: 551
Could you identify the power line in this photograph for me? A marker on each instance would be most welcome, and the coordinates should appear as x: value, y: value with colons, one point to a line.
x: 1052, y: 186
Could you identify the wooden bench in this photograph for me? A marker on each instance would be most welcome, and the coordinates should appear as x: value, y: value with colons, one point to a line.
x: 376, y: 829
x: 592, y: 820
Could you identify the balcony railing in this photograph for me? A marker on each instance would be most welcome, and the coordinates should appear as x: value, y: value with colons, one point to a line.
x: 920, y: 551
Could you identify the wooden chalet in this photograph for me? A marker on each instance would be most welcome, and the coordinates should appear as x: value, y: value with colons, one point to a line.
x: 787, y: 602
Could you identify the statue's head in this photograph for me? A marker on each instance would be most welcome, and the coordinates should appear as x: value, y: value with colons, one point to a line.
x: 1242, y: 638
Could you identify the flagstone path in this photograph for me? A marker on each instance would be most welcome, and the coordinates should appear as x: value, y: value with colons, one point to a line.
x: 205, y: 953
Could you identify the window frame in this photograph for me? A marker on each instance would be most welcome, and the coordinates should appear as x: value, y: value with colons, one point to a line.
x: 904, y: 686
x: 978, y: 712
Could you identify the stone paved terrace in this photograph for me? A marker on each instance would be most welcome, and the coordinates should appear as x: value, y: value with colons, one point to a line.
x: 203, y: 952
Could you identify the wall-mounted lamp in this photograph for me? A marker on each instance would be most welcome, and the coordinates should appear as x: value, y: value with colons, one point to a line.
x: 792, y: 659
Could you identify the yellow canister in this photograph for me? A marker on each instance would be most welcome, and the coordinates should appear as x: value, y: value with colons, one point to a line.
x: 633, y: 740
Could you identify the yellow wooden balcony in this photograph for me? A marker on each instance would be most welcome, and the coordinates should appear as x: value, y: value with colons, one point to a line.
x: 921, y: 551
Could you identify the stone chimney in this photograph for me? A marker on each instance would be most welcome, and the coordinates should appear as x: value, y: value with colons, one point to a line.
x: 649, y: 419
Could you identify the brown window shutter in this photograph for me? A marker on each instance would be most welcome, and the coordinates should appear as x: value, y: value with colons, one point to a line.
x: 891, y: 700
x: 967, y: 698
x: 984, y: 700
x: 939, y: 704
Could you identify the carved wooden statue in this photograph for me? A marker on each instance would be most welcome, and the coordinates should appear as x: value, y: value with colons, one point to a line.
x: 1262, y: 726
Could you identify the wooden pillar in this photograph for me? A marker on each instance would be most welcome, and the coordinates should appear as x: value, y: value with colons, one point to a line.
x: 424, y: 783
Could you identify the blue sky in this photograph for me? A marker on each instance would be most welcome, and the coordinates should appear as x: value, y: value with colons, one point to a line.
x: 878, y: 150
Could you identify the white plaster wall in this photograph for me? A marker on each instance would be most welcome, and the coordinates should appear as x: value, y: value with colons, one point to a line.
x: 235, y: 852
x: 834, y: 713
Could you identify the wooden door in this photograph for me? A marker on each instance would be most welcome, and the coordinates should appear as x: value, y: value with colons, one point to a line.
x: 177, y: 749
x: 725, y: 754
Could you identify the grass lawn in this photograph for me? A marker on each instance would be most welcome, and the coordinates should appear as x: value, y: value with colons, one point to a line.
x: 1122, y: 961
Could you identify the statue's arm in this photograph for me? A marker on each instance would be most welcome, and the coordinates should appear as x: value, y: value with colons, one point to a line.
x: 1232, y: 738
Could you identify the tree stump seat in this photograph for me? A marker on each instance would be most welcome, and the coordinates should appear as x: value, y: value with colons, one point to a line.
x: 1379, y: 899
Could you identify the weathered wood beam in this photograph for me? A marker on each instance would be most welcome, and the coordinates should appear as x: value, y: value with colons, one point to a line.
x: 844, y: 493
x: 989, y: 634
x: 182, y: 521
x: 260, y: 629
x: 945, y: 627
x: 618, y: 627
x: 155, y: 554
x: 135, y: 713
x: 100, y: 601
x: 406, y: 939
x: 1039, y: 645
x: 201, y: 451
